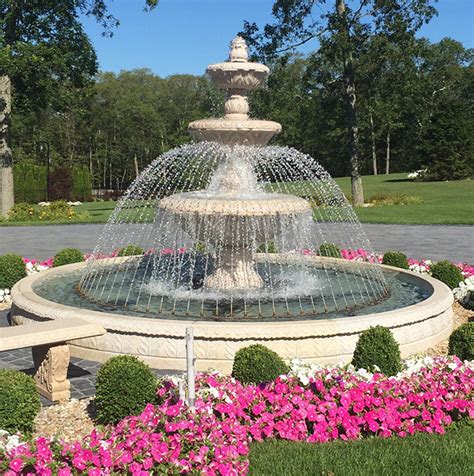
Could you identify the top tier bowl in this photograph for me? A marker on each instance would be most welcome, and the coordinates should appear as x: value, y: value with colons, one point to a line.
x: 236, y: 76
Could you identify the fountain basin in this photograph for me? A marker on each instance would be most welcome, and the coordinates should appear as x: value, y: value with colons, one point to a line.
x: 161, y: 341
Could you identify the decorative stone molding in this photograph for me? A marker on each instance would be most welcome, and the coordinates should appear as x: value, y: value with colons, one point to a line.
x: 51, y: 364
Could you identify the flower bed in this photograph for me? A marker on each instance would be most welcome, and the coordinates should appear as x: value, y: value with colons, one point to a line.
x: 311, y: 403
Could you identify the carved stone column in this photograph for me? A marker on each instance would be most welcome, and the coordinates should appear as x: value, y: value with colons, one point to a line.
x: 51, y: 364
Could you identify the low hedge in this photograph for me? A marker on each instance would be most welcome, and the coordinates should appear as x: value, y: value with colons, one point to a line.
x: 19, y: 401
x: 124, y: 386
x: 12, y: 269
x: 377, y: 347
x: 461, y: 342
x: 257, y: 364
x: 68, y: 256
x: 447, y: 272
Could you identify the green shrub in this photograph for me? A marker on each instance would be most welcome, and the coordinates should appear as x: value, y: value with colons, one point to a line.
x: 461, y: 342
x: 377, y: 347
x: 330, y: 250
x: 447, y: 272
x: 269, y: 247
x: 257, y: 364
x: 124, y: 386
x: 82, y: 183
x: 56, y: 211
x: 381, y: 199
x: 131, y: 250
x: 23, y: 212
x: 12, y: 269
x: 395, y: 258
x: 19, y: 401
x: 61, y: 183
x: 68, y: 256
x: 30, y: 181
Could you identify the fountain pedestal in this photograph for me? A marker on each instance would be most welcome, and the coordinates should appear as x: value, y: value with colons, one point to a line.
x: 238, y: 213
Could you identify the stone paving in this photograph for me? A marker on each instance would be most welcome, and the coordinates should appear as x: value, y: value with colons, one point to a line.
x: 81, y: 373
x: 455, y: 242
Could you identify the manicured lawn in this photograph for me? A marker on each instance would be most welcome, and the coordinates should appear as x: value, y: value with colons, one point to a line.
x: 417, y: 455
x: 446, y: 203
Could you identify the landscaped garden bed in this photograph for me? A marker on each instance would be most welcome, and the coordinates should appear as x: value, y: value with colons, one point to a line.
x: 310, y: 403
x: 311, y: 414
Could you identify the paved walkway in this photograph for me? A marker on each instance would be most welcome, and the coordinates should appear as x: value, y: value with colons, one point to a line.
x: 81, y: 373
x: 417, y: 241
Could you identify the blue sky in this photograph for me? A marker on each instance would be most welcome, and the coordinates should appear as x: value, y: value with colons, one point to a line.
x: 184, y: 36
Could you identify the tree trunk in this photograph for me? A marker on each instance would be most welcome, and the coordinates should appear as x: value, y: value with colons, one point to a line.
x: 387, y: 154
x: 135, y: 161
x: 351, y: 111
x: 6, y: 158
x: 374, y: 150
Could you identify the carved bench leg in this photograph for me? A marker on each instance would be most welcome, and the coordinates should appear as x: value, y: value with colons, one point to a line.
x: 51, y: 364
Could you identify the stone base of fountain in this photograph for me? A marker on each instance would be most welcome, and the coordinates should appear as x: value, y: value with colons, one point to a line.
x: 161, y: 342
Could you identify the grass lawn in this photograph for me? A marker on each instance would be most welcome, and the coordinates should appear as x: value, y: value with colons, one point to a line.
x: 446, y: 203
x: 417, y: 455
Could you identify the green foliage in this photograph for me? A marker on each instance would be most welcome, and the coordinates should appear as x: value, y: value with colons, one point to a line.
x: 461, y: 342
x: 56, y: 211
x: 377, y: 347
x: 30, y: 181
x: 447, y: 272
x: 23, y: 212
x: 257, y: 364
x: 19, y: 401
x: 447, y: 144
x: 12, y: 269
x: 381, y: 199
x: 68, y: 256
x: 395, y: 258
x: 60, y: 184
x: 124, y: 386
x: 269, y: 247
x: 329, y: 250
x: 131, y: 250
x: 81, y: 184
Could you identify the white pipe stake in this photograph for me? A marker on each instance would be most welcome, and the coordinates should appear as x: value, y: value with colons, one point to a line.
x: 190, y: 366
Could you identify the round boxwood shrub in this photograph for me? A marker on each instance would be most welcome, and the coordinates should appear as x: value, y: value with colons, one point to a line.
x: 131, y: 250
x: 447, y: 272
x: 257, y: 364
x: 461, y: 342
x: 124, y: 386
x: 19, y: 401
x: 68, y: 256
x: 269, y: 247
x: 377, y: 346
x: 329, y: 250
x: 395, y: 258
x: 12, y: 269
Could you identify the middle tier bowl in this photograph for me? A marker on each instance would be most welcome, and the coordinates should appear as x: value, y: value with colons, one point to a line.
x: 257, y: 218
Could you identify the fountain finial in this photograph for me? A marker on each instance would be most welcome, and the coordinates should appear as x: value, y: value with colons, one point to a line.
x: 238, y: 50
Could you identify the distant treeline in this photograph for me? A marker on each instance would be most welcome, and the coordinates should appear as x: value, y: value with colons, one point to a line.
x: 415, y: 109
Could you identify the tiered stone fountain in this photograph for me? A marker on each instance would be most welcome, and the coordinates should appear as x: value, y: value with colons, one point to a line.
x: 200, y: 212
x: 232, y: 199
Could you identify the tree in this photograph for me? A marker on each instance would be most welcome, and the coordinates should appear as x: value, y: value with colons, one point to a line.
x: 42, y: 46
x: 342, y: 31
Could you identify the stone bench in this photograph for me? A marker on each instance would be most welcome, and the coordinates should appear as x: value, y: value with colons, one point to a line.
x: 48, y: 340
